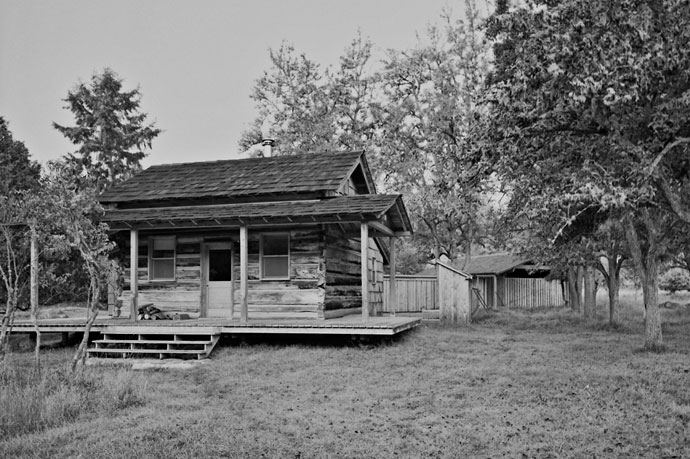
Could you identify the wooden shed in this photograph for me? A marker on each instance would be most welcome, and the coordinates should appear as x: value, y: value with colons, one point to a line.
x: 302, y: 236
x: 510, y: 280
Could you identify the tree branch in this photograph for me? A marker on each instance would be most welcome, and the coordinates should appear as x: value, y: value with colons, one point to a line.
x: 667, y: 148
x: 674, y: 201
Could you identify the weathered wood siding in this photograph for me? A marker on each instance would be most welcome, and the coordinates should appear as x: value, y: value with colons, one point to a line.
x: 455, y: 305
x: 181, y: 295
x: 414, y: 293
x: 303, y: 296
x: 530, y: 293
x: 485, y: 286
x: 343, y: 275
x: 375, y: 264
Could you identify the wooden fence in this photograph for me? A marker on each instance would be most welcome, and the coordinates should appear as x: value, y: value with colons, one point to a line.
x: 530, y: 293
x: 455, y: 304
x: 448, y: 292
x: 414, y: 293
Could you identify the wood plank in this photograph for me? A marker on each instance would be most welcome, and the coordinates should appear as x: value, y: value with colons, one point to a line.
x: 280, y: 297
x: 133, y: 279
x: 364, y: 243
x: 393, y: 293
x: 244, y: 256
x: 34, y: 272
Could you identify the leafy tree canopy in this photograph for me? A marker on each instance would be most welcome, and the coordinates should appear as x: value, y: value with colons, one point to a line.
x: 588, y: 110
x: 307, y: 109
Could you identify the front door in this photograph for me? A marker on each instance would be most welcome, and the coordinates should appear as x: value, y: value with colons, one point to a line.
x: 218, y: 266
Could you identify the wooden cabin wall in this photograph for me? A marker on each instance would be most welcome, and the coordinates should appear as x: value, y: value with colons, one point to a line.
x: 180, y: 296
x: 343, y: 275
x: 303, y: 295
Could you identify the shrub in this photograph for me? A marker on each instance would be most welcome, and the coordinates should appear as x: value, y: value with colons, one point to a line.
x: 675, y: 280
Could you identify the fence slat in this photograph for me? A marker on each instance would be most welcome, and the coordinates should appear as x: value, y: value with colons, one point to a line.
x: 532, y: 293
x: 415, y: 293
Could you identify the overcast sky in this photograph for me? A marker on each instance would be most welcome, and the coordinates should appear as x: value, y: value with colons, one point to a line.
x: 195, y: 61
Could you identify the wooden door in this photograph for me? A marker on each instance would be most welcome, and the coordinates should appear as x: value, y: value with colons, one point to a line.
x: 218, y: 278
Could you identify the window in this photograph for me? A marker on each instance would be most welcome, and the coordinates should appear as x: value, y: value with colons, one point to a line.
x: 275, y: 256
x: 162, y: 258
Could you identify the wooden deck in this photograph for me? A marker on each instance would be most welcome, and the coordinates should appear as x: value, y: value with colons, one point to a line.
x: 348, y: 325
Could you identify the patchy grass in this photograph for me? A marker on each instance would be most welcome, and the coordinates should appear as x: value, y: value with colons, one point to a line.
x: 31, y: 402
x: 541, y: 384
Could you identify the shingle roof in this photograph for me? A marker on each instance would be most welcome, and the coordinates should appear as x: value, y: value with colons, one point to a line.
x: 494, y: 264
x: 344, y: 208
x: 319, y: 172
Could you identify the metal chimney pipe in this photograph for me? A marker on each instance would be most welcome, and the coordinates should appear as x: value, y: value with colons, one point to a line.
x: 266, y: 140
x: 267, y: 145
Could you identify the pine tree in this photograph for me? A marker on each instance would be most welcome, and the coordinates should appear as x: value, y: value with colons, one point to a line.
x: 110, y: 130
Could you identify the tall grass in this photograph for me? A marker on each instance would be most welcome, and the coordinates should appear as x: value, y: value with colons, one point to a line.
x: 30, y: 402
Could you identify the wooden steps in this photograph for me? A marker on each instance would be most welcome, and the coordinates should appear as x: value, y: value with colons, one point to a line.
x: 180, y: 344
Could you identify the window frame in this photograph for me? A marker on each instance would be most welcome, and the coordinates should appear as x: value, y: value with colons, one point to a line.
x: 152, y: 241
x: 262, y: 256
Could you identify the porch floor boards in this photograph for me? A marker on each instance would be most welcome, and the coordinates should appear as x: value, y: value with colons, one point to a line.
x: 347, y: 325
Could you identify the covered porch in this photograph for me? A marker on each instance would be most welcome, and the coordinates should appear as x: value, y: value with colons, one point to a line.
x: 359, y: 224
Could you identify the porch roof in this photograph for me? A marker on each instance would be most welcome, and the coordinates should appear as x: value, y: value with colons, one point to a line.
x: 383, y: 208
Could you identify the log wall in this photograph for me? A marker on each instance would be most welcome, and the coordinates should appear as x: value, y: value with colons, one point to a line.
x: 303, y: 296
x: 325, y: 270
x: 343, y: 275
x: 181, y: 295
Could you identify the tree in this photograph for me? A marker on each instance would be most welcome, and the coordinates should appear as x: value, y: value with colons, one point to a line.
x: 307, y: 110
x: 111, y: 132
x: 19, y: 174
x: 430, y: 95
x: 412, y: 117
x: 592, y: 108
x: 66, y: 218
x: 17, y: 170
x: 14, y: 263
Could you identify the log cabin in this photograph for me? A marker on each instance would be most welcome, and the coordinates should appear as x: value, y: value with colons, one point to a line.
x: 282, y: 237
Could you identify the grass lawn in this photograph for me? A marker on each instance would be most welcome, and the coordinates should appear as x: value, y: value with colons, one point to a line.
x: 513, y: 384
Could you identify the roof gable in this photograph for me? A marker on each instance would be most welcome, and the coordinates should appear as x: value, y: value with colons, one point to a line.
x: 322, y: 173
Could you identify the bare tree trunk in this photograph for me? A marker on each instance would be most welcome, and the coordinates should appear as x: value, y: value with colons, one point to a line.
x: 647, y: 268
x: 580, y: 286
x: 92, y: 313
x: 468, y: 248
x: 6, y: 324
x: 590, y: 293
x: 34, y: 300
x: 573, y: 295
x: 650, y: 288
x: 613, y: 282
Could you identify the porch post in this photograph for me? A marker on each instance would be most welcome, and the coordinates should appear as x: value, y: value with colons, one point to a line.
x: 392, y: 288
x: 133, y: 272
x: 365, y: 270
x: 495, y: 305
x: 34, y: 271
x: 244, y: 254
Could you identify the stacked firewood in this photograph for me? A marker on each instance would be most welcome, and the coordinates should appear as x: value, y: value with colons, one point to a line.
x: 150, y: 312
